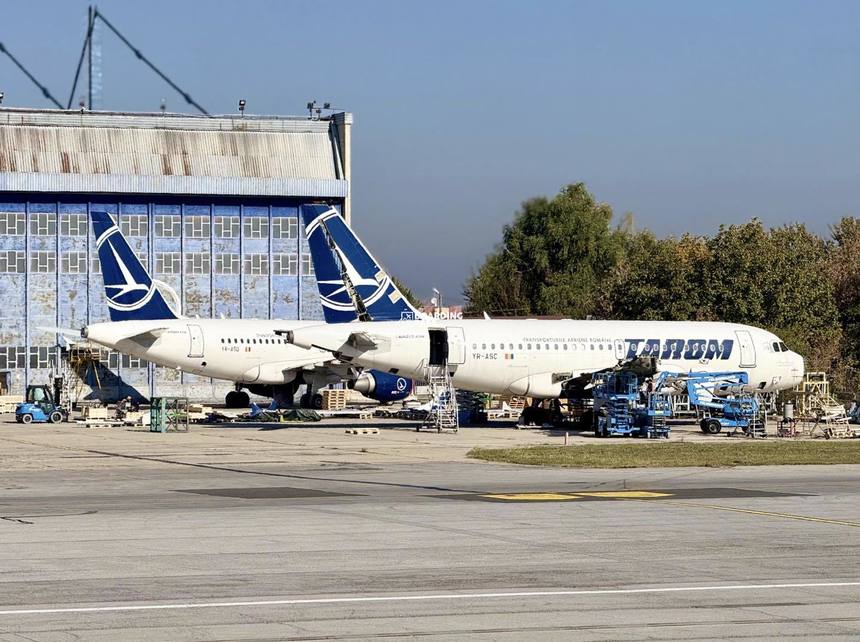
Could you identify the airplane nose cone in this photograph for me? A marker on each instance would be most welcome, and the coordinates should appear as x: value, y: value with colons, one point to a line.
x: 365, y: 384
x: 797, y: 368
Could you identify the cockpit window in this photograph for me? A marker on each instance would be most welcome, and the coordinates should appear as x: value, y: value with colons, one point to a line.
x: 776, y: 347
x: 783, y: 346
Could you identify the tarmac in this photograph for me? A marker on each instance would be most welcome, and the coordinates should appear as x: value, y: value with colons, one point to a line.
x: 305, y: 533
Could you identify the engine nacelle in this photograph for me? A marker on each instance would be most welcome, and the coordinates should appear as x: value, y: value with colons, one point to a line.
x: 382, y: 386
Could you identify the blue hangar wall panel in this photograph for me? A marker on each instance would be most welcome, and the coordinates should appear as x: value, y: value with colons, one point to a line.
x: 224, y: 257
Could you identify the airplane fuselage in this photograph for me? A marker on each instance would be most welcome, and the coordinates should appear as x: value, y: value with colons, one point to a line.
x: 244, y: 351
x: 535, y: 357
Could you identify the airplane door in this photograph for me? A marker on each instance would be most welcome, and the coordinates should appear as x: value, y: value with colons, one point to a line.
x: 456, y: 346
x: 747, y: 348
x: 619, y: 349
x: 195, y: 336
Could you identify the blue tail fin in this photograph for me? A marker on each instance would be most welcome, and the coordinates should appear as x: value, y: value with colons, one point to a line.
x: 342, y: 263
x: 131, y: 293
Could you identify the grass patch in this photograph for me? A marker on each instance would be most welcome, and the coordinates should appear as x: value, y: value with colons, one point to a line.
x: 660, y: 455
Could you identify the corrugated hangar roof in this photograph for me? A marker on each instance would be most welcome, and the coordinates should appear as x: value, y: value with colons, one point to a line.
x: 66, y: 151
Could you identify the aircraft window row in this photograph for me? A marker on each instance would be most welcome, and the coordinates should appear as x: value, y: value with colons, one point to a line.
x: 254, y: 341
x: 548, y: 346
x: 779, y: 346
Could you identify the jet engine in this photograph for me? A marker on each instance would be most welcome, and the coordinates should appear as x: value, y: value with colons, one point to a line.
x: 381, y: 386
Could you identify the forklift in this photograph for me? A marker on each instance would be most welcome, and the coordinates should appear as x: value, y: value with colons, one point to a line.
x: 42, y: 405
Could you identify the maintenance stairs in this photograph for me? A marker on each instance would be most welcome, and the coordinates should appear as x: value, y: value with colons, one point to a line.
x: 443, y: 414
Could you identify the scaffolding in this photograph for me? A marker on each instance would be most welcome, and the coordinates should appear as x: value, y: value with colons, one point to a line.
x: 444, y: 413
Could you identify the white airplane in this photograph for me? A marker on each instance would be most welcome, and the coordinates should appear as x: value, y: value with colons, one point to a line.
x: 252, y: 353
x: 528, y: 357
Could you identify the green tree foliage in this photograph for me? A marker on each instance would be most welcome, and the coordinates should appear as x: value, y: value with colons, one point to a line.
x: 553, y: 258
x: 844, y: 271
x: 408, y: 294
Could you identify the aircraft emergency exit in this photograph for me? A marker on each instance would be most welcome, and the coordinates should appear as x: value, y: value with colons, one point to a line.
x: 528, y: 356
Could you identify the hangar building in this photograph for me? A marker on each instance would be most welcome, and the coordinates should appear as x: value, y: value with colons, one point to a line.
x: 210, y: 204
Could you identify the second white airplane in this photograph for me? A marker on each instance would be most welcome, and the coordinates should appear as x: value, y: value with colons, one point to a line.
x: 524, y: 356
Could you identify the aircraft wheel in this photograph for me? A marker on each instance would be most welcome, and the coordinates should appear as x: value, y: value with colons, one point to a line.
x: 55, y: 417
x: 26, y: 418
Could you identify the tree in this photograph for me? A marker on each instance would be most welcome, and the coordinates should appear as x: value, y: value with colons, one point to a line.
x: 552, y: 260
x: 406, y: 292
x: 659, y: 279
x: 843, y: 267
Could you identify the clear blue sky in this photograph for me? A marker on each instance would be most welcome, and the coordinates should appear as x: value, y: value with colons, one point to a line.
x: 688, y: 114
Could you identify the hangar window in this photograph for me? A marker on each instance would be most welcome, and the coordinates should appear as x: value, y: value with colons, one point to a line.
x: 227, y: 227
x: 128, y: 361
x: 197, y: 227
x: 41, y: 356
x: 143, y: 258
x: 256, y: 264
x: 168, y: 263
x: 285, y: 227
x: 74, y: 263
x: 256, y: 227
x: 43, y: 224
x: 307, y: 265
x: 12, y: 261
x: 12, y: 224
x: 12, y: 357
x: 197, y: 263
x: 72, y: 225
x: 284, y: 264
x: 43, y: 261
x: 227, y: 263
x: 134, y: 224
x: 168, y: 226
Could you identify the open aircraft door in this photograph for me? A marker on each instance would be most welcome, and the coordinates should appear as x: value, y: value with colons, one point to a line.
x: 620, y: 353
x: 747, y: 346
x: 456, y: 346
x: 195, y: 336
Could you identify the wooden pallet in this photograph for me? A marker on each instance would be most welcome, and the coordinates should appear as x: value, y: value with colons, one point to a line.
x: 362, y: 431
x: 334, y: 398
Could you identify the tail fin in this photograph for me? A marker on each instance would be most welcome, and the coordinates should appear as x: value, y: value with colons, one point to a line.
x: 131, y: 293
x: 343, y: 266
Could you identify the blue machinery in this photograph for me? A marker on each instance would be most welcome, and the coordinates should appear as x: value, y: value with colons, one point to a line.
x: 622, y: 407
x: 628, y: 405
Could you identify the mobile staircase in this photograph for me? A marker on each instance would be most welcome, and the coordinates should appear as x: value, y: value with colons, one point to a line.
x: 443, y: 414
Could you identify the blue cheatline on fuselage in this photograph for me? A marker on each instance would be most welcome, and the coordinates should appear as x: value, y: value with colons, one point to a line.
x: 131, y: 293
x: 330, y: 237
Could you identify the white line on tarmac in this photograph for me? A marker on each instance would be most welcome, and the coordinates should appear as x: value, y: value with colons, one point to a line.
x: 412, y: 598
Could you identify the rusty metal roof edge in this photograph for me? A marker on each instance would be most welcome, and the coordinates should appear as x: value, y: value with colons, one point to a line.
x: 147, y: 120
x: 192, y: 185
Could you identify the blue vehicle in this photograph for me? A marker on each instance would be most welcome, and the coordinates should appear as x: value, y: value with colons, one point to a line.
x: 40, y: 407
x: 622, y: 408
x: 723, y: 401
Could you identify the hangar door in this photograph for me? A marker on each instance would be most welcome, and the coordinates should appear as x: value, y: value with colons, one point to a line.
x: 747, y: 348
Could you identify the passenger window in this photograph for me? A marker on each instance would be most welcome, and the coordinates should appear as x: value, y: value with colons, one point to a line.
x: 592, y: 346
x: 521, y: 346
x: 601, y: 346
x: 537, y: 346
x: 529, y: 345
x: 556, y: 346
x: 565, y: 345
x: 492, y: 346
x: 483, y: 346
x: 474, y: 346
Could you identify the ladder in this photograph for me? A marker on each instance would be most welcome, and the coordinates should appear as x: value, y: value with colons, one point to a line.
x: 443, y: 413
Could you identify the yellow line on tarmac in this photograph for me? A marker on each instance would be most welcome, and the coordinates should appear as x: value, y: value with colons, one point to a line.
x: 764, y: 513
x: 534, y: 497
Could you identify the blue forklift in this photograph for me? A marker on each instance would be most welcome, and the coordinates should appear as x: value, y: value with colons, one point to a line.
x: 42, y: 405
